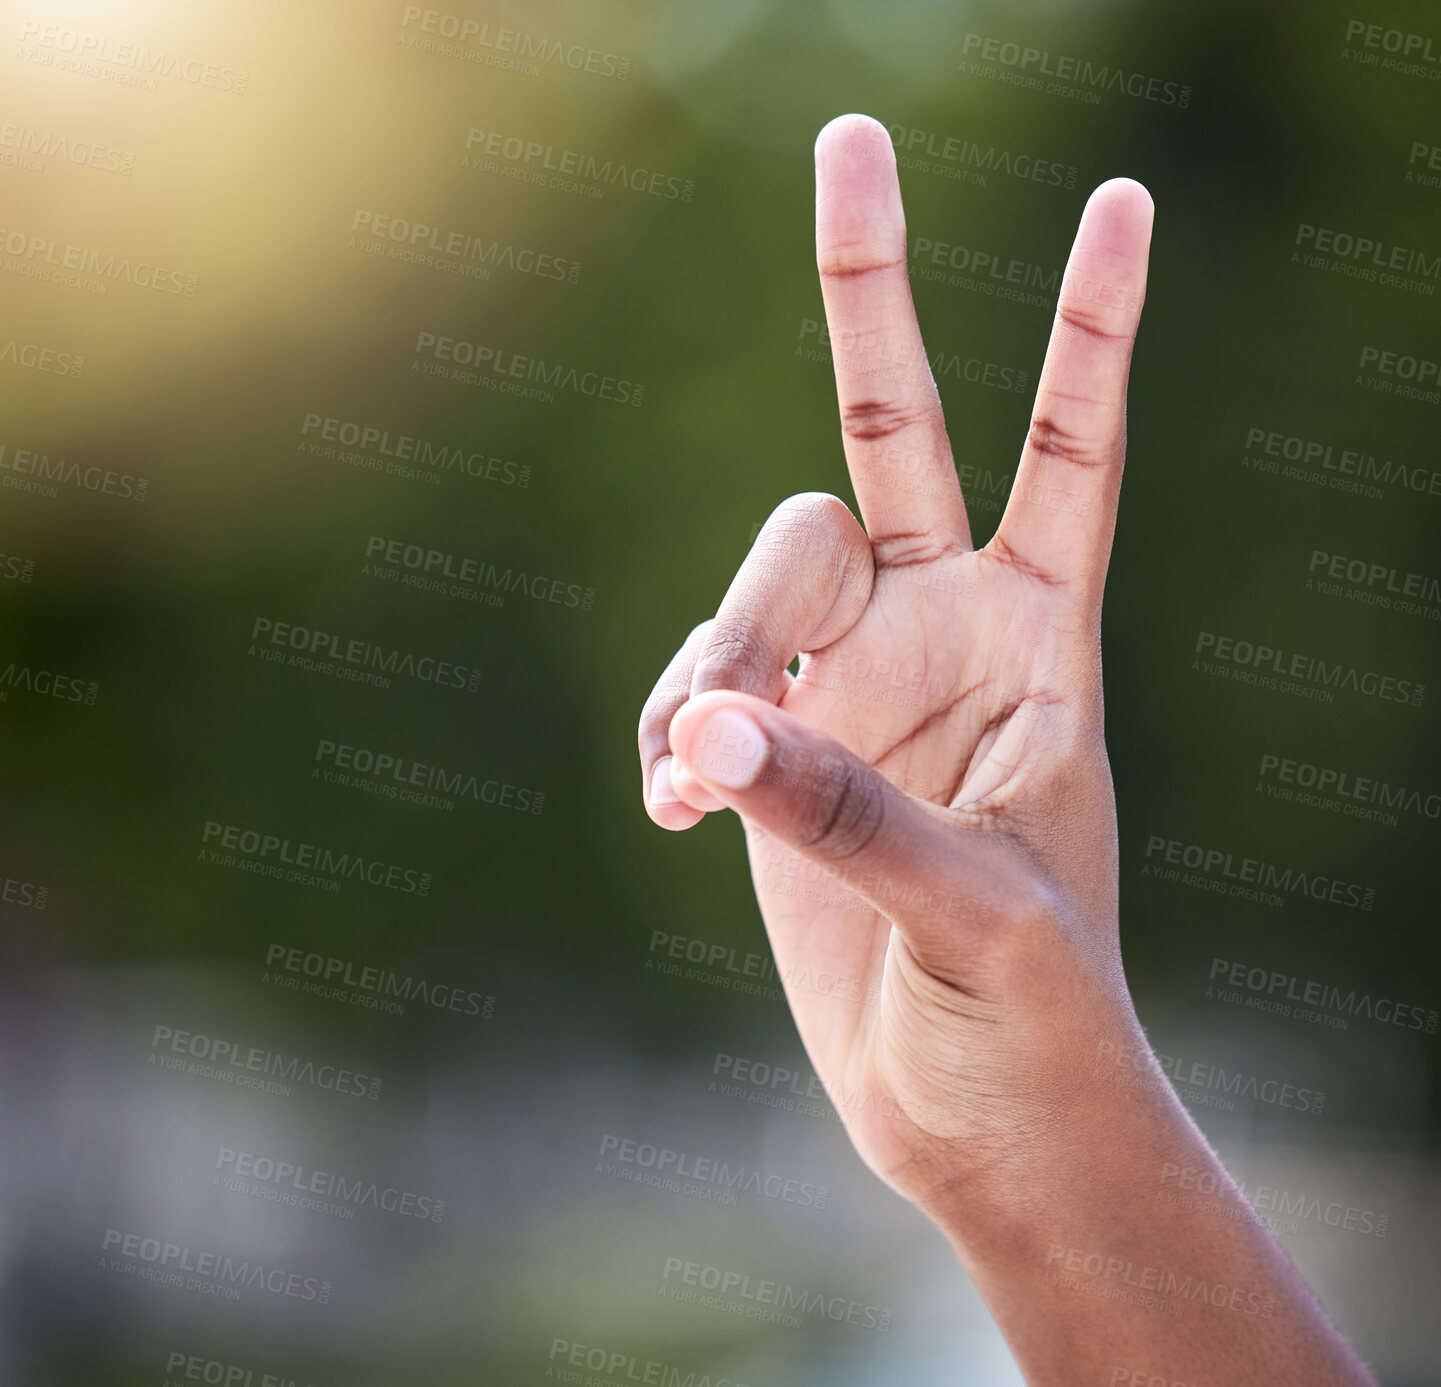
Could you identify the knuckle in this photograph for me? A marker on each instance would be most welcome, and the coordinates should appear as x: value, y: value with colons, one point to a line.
x: 657, y: 712
x: 914, y: 548
x: 671, y: 689
x: 733, y: 651
x: 806, y: 516
x: 1056, y: 443
x: 1090, y: 322
x: 1002, y: 548
x: 811, y: 508
x: 871, y: 420
x: 818, y: 530
x: 847, y: 259
x: 844, y: 818
x: 653, y: 729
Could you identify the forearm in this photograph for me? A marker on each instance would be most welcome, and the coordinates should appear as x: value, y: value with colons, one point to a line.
x: 1100, y: 1270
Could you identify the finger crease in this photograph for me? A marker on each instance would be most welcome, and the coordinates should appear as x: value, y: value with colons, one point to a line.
x: 842, y: 268
x: 1010, y: 555
x: 1050, y: 440
x: 911, y: 548
x: 869, y: 420
x: 1087, y: 325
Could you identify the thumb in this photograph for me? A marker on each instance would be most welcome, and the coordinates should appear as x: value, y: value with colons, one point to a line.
x: 914, y: 861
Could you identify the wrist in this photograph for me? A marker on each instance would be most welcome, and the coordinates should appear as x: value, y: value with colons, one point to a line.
x: 1099, y: 1116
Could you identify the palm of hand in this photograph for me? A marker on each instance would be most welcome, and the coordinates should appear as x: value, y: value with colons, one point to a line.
x: 951, y: 684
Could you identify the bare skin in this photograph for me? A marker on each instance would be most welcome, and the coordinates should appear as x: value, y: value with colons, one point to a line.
x: 931, y: 828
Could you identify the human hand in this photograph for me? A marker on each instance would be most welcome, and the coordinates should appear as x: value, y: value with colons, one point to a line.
x: 939, y: 756
x: 931, y: 827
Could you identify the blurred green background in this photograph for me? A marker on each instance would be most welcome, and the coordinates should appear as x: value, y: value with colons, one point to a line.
x: 259, y: 200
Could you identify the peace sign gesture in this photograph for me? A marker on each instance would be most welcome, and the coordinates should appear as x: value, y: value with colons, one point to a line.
x: 930, y: 819
x: 939, y: 755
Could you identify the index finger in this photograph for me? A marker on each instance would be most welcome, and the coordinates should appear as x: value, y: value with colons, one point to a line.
x: 894, y: 432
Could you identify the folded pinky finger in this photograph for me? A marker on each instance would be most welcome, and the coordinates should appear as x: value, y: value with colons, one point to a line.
x: 691, y: 792
x: 673, y: 797
x: 658, y: 790
x: 664, y: 800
